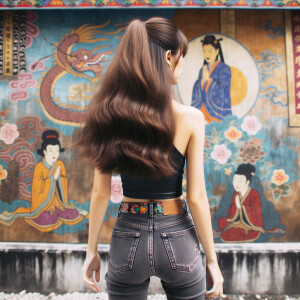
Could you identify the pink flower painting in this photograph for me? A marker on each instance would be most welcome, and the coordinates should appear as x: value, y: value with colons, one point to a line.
x: 251, y: 125
x: 116, y: 195
x: 221, y: 154
x: 8, y: 133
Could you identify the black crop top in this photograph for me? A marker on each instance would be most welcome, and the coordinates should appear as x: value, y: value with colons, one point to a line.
x: 149, y: 188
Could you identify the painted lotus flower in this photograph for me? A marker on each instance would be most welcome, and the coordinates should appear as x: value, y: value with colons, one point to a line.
x: 116, y: 189
x: 233, y: 134
x: 221, y: 154
x: 279, y: 177
x: 8, y: 133
x: 251, y: 152
x: 251, y: 125
x: 3, y: 173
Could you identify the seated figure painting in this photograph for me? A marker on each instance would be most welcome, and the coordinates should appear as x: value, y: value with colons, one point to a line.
x: 244, y: 221
x: 49, y: 207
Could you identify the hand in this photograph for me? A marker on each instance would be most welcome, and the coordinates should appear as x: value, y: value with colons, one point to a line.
x: 205, y: 73
x: 57, y: 173
x: 92, y: 263
x: 215, y: 276
x: 238, y: 201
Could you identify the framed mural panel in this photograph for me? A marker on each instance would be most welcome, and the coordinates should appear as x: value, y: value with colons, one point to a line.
x: 12, y: 44
x: 292, y: 29
x: 251, y: 154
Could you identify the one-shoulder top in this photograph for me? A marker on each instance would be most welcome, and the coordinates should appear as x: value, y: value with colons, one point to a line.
x: 150, y: 188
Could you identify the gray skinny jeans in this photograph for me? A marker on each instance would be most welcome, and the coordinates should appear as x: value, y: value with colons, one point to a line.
x: 159, y: 245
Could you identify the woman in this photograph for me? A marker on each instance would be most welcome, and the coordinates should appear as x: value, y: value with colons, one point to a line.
x: 135, y: 128
x: 211, y: 91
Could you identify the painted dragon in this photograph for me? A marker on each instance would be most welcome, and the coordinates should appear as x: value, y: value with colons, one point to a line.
x: 76, y: 63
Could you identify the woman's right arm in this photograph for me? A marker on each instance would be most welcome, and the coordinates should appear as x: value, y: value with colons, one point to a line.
x: 197, y: 198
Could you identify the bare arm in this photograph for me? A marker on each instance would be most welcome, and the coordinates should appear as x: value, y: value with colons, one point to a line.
x: 197, y: 198
x: 99, y: 202
x: 196, y: 191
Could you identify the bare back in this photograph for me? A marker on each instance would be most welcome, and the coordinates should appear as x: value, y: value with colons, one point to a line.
x: 184, y: 130
x: 189, y: 140
x: 182, y: 133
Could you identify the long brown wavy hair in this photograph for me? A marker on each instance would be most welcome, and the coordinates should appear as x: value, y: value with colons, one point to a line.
x: 130, y: 123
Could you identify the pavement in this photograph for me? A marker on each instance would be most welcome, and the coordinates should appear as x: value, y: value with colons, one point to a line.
x: 103, y: 296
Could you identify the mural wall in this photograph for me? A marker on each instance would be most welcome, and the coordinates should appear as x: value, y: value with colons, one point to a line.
x: 51, y: 63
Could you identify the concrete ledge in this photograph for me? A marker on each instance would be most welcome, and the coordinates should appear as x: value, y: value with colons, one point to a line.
x: 265, y: 268
x: 48, y: 247
x: 104, y: 248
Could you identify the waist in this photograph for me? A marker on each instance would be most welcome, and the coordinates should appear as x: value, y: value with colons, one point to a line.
x: 150, y: 195
x: 129, y: 199
x: 150, y: 188
x: 154, y: 206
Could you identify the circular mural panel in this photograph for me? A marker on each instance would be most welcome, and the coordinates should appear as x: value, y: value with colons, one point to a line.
x: 244, y: 81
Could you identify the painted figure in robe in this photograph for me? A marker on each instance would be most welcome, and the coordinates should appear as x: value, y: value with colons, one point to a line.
x: 211, y: 91
x: 49, y: 204
x: 245, y: 220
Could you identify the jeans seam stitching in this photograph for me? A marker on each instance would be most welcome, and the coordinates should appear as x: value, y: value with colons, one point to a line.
x: 180, y: 232
x: 159, y: 226
x: 172, y: 223
x: 133, y: 224
x: 170, y: 253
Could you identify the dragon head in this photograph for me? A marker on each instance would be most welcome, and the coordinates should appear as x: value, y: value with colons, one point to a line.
x: 84, y: 60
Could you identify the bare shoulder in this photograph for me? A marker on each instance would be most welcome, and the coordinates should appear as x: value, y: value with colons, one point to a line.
x: 192, y: 117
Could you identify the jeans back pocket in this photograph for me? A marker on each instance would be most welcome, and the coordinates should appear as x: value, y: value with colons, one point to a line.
x: 122, y: 250
x: 182, y: 247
